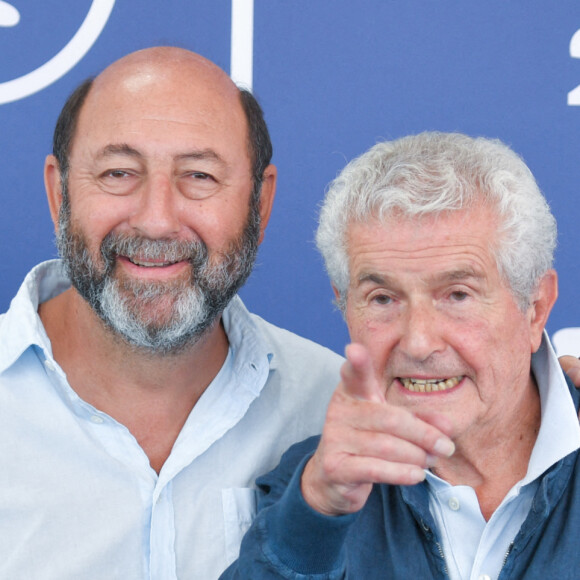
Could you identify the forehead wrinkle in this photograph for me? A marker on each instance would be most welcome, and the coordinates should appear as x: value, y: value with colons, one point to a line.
x: 201, y: 120
x: 448, y: 276
x: 465, y: 254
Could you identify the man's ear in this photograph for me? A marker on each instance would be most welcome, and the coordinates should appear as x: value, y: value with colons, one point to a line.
x: 53, y: 186
x: 267, y: 195
x: 540, y: 309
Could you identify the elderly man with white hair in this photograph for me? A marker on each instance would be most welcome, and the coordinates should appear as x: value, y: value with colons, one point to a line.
x: 450, y: 448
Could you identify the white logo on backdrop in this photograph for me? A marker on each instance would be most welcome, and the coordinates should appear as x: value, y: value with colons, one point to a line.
x: 62, y: 62
x: 242, y: 43
x: 574, y: 96
x: 9, y: 16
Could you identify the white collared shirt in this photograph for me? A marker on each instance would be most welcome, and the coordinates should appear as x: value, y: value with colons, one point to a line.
x: 475, y: 549
x: 78, y: 498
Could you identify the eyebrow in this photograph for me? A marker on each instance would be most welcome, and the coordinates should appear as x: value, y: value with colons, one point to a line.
x: 119, y: 149
x: 460, y: 274
x: 373, y: 277
x: 202, y: 154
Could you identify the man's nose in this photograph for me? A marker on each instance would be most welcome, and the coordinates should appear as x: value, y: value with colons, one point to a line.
x: 157, y: 212
x: 421, y: 332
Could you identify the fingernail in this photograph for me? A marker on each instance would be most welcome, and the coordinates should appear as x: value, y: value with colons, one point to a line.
x: 417, y: 474
x: 444, y: 447
x: 432, y: 460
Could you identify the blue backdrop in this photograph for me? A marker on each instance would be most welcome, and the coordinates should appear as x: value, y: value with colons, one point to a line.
x: 334, y: 76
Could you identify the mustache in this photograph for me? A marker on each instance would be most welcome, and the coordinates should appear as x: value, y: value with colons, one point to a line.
x: 139, y: 247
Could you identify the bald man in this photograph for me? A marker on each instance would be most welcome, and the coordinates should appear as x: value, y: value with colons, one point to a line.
x: 139, y: 397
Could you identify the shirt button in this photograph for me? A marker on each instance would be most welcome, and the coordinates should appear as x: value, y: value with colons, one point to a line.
x: 49, y: 365
x: 484, y: 577
x: 97, y: 420
x: 454, y: 505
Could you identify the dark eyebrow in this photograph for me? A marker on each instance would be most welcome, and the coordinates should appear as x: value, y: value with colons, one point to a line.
x: 371, y: 278
x: 119, y: 149
x: 202, y: 154
x: 461, y: 274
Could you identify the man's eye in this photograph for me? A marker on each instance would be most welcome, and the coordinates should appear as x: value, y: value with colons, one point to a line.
x: 118, y: 181
x: 459, y: 296
x: 382, y: 299
x: 198, y: 185
x: 117, y: 173
x: 200, y: 175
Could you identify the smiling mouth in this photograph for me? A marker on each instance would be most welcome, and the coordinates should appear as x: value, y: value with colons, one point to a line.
x: 147, y: 264
x: 429, y: 385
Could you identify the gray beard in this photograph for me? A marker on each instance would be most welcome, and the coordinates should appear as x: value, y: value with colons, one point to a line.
x: 131, y: 309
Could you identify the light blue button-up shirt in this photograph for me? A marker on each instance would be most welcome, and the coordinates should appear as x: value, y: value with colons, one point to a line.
x: 78, y: 498
x: 475, y: 549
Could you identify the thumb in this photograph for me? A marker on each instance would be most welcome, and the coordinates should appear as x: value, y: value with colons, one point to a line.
x: 358, y: 377
x: 571, y: 366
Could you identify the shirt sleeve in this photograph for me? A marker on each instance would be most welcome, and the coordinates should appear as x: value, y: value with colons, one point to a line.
x: 289, y: 539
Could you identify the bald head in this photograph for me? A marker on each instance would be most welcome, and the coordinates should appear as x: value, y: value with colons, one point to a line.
x: 176, y: 70
x: 165, y: 57
x: 159, y: 79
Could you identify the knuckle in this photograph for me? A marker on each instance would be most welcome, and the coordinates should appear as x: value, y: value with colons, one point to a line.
x: 393, y: 420
x: 428, y: 437
x: 388, y: 447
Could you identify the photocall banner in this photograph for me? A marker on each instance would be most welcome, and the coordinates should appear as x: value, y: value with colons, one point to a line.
x: 334, y: 77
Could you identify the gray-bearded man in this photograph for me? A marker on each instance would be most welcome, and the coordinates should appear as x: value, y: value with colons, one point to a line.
x: 138, y: 405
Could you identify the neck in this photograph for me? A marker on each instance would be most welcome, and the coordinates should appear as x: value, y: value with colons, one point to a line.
x: 493, y: 459
x: 152, y: 395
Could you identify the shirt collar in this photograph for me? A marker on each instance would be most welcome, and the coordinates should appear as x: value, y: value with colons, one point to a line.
x: 559, y: 433
x: 248, y: 347
x: 20, y: 326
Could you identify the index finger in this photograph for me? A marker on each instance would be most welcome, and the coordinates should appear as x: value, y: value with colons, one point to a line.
x: 358, y: 377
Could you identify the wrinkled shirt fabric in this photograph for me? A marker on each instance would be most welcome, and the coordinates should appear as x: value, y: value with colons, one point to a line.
x: 78, y: 498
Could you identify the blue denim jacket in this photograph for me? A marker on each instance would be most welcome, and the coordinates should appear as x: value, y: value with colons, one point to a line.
x: 394, y: 535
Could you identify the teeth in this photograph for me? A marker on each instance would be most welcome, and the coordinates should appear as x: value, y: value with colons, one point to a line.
x: 150, y: 264
x: 429, y: 385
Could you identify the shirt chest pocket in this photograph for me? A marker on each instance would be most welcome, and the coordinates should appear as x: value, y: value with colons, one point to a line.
x: 239, y: 509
